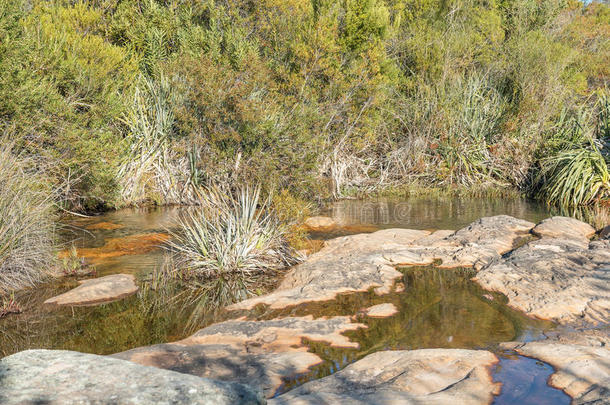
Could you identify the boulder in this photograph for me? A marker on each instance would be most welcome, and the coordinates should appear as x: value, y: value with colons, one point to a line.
x: 564, y: 280
x: 97, y: 291
x: 427, y: 376
x: 259, y: 353
x: 563, y: 227
x: 64, y: 377
x: 360, y: 262
x: 320, y: 224
x: 582, y: 372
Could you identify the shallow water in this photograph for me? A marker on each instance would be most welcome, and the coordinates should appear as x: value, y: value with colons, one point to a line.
x: 524, y: 382
x: 430, y: 213
x: 438, y: 308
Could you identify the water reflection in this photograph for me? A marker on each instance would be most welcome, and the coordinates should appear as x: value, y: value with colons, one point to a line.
x: 439, y: 308
x: 431, y: 213
x: 524, y: 382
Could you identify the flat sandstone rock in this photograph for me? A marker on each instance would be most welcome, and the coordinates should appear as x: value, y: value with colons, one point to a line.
x: 565, y: 280
x: 57, y: 377
x: 381, y: 310
x: 563, y: 227
x: 582, y: 372
x: 97, y: 291
x: 259, y: 353
x: 360, y: 262
x: 426, y: 376
x: 320, y: 224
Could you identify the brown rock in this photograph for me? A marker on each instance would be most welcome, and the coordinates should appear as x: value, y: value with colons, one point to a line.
x: 97, y: 291
x: 106, y: 226
x: 559, y: 279
x: 582, y: 372
x: 381, y: 310
x: 427, y: 376
x: 115, y: 247
x: 320, y: 224
x: 364, y: 261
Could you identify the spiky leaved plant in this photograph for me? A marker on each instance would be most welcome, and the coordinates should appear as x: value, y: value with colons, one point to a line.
x: 227, y: 242
x: 576, y: 177
x: 579, y: 174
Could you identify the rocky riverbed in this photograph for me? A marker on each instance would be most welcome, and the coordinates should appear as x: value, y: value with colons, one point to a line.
x: 557, y: 270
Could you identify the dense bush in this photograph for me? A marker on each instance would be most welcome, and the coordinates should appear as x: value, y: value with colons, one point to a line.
x: 319, y: 97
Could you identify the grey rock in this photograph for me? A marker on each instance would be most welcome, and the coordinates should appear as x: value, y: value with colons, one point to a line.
x: 64, y: 377
x: 259, y: 353
x: 604, y: 233
x: 565, y: 280
x: 427, y: 376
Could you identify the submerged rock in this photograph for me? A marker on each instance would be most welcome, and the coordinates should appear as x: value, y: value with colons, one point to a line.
x: 116, y: 247
x: 97, y: 291
x: 259, y: 353
x: 381, y: 310
x: 360, y: 262
x: 582, y: 372
x: 104, y: 226
x: 430, y: 376
x: 65, y: 377
x: 320, y: 224
x: 565, y: 280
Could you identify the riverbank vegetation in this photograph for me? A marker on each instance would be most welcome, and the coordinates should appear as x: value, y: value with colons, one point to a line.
x: 226, y: 244
x: 142, y: 101
x: 137, y: 102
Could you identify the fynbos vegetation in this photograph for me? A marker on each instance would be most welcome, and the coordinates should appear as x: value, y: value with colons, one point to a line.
x: 135, y: 102
x: 145, y: 101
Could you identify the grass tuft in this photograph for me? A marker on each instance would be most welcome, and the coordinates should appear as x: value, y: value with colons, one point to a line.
x: 228, y: 243
x: 27, y: 224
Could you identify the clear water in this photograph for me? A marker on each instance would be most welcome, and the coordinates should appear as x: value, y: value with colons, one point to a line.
x: 524, y: 382
x: 439, y: 308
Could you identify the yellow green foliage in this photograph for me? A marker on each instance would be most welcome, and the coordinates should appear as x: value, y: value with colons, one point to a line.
x: 321, y: 97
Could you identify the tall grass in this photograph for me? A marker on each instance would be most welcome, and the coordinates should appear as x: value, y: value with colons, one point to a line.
x: 26, y: 223
x: 227, y: 243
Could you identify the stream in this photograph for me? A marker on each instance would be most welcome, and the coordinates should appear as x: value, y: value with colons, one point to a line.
x: 438, y: 308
